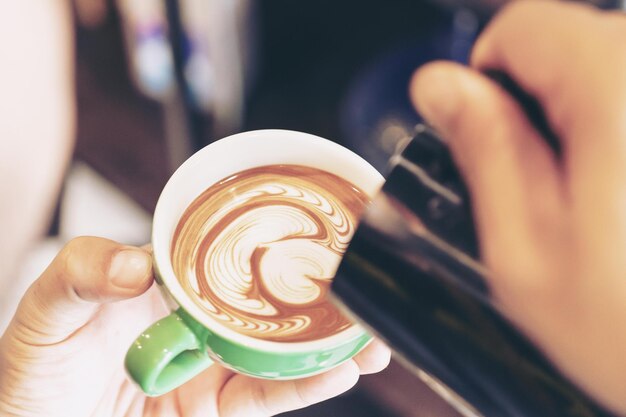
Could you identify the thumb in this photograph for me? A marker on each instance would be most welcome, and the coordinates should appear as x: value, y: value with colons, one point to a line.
x: 513, y: 177
x: 88, y: 271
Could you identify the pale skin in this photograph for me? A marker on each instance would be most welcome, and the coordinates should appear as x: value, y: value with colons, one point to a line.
x: 36, y: 123
x: 62, y: 354
x: 553, y: 232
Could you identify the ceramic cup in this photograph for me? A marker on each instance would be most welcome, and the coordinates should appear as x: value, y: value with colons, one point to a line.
x: 183, y: 344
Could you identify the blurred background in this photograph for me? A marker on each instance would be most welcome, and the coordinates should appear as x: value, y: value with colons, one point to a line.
x: 156, y: 80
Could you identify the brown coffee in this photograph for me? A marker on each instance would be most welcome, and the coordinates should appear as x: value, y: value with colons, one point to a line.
x: 257, y: 251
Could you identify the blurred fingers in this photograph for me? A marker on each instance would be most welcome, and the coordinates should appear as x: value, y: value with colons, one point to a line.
x: 374, y: 358
x: 551, y: 49
x: 251, y: 397
x: 511, y: 173
x: 572, y: 58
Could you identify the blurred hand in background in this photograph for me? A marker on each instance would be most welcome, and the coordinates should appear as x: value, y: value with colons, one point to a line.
x: 552, y: 230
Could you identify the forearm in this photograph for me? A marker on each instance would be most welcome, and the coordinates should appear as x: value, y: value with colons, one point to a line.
x: 36, y: 119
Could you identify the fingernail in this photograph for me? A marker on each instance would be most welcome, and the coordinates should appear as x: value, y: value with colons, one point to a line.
x: 129, y: 268
x: 435, y: 92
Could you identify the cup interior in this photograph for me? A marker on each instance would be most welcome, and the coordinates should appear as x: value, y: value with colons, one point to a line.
x: 229, y: 156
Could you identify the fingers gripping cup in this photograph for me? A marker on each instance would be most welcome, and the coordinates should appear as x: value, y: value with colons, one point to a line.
x: 247, y: 236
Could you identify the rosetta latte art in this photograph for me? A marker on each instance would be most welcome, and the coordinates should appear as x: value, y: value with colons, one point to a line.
x: 257, y: 251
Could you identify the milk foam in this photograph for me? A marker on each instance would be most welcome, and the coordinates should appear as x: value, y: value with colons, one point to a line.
x: 258, y: 250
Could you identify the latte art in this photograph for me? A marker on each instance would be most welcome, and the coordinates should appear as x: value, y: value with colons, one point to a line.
x: 258, y: 250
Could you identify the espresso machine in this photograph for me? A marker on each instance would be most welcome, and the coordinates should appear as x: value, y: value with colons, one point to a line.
x: 412, y: 275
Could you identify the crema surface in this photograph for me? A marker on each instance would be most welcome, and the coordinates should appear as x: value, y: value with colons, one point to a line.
x: 258, y: 250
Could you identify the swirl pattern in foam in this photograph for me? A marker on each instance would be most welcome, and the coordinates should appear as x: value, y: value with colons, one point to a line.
x: 257, y: 251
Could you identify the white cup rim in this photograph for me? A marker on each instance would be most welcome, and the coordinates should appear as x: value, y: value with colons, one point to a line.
x: 370, y: 182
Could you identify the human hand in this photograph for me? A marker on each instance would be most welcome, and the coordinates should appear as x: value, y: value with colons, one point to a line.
x: 63, y: 352
x: 552, y: 230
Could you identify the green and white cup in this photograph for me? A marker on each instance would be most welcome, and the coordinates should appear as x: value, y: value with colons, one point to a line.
x: 183, y: 344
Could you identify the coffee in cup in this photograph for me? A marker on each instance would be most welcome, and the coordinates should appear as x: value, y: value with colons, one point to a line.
x: 257, y: 250
x: 246, y: 237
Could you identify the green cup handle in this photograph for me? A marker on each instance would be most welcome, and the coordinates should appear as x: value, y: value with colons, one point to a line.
x: 166, y: 355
